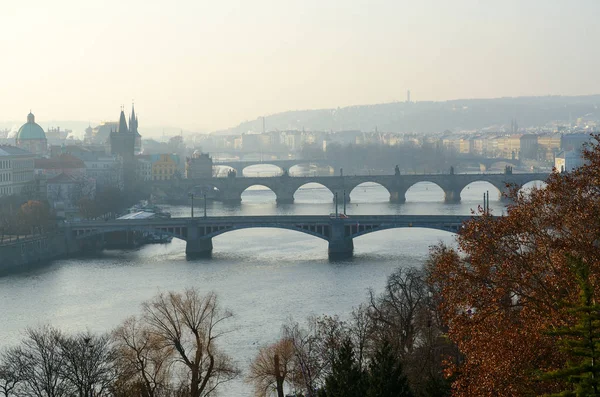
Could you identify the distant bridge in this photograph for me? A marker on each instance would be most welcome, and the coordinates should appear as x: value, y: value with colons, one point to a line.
x: 283, y: 165
x: 230, y: 189
x: 198, y: 232
x: 486, y: 163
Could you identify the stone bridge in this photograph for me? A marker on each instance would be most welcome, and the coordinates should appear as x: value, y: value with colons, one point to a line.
x: 230, y: 189
x: 284, y: 165
x: 486, y: 163
x: 198, y: 232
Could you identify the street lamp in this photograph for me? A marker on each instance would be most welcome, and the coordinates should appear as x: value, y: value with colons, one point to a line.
x: 192, y: 197
x: 335, y: 198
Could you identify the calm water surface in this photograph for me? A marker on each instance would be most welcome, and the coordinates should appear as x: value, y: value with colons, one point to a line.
x: 264, y: 276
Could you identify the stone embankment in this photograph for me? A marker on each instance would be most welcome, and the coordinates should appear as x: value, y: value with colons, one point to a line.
x: 18, y: 255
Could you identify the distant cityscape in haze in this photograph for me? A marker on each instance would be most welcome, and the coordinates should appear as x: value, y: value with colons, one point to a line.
x: 460, y: 115
x: 533, y: 134
x: 303, y: 198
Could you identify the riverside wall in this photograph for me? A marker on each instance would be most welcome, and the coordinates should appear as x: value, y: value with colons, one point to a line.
x: 20, y: 255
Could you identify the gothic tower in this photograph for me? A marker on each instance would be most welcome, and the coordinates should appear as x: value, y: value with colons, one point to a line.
x: 133, y: 128
x: 122, y: 143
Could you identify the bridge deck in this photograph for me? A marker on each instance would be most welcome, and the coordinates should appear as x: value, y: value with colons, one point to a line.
x: 273, y: 219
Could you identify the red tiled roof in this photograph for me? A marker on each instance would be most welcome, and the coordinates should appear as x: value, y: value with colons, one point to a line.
x: 63, y: 178
x: 64, y: 161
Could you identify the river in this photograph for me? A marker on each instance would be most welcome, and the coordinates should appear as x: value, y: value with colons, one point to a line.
x: 264, y: 276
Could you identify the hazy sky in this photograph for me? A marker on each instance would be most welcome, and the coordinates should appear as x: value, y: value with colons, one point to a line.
x: 202, y: 64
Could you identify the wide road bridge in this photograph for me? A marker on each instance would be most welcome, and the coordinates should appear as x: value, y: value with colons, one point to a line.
x: 198, y: 232
x: 230, y: 189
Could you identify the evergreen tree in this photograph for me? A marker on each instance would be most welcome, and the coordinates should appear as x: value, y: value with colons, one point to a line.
x: 385, y: 375
x: 346, y: 378
x: 581, y: 341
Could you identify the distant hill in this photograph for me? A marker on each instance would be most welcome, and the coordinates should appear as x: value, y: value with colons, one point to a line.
x: 427, y: 117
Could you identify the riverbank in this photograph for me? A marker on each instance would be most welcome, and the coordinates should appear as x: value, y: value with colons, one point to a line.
x: 17, y: 256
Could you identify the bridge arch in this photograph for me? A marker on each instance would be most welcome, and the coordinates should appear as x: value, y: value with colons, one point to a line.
x: 253, y: 170
x: 320, y: 232
x: 313, y: 189
x: 258, y: 193
x: 475, y: 189
x: 222, y: 170
x: 370, y: 192
x: 533, y: 184
x: 310, y: 168
x: 488, y: 164
x: 428, y: 191
x: 450, y: 229
x: 485, y: 163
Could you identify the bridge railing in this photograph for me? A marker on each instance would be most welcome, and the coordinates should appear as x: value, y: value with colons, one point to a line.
x: 269, y: 219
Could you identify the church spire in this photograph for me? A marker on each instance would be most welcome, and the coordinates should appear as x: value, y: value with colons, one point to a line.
x: 133, y: 123
x: 122, y: 123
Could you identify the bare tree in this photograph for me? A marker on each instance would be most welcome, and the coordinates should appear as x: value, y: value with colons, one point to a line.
x: 360, y: 329
x: 89, y: 364
x: 12, y: 372
x: 143, y: 360
x: 270, y: 368
x: 307, y: 354
x: 316, y: 345
x: 191, y: 324
x: 405, y: 316
x: 395, y: 311
x: 42, y: 362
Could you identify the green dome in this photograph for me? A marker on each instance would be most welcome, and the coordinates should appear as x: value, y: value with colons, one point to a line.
x: 30, y: 130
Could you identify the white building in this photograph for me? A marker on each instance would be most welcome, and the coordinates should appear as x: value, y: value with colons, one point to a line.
x: 568, y: 160
x: 143, y: 169
x: 16, y: 169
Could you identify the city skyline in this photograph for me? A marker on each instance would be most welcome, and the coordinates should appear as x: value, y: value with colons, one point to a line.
x: 205, y: 67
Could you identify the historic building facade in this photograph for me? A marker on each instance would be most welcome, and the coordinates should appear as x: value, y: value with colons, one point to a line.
x: 16, y: 170
x: 200, y: 165
x: 164, y: 166
x: 32, y: 137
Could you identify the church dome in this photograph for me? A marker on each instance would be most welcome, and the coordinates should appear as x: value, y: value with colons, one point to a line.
x: 30, y: 130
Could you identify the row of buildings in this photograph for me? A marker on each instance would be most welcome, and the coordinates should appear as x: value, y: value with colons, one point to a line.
x: 538, y: 147
x: 65, y: 174
x: 543, y: 147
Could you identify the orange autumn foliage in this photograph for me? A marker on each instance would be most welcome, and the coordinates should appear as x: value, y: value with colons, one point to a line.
x: 508, y: 282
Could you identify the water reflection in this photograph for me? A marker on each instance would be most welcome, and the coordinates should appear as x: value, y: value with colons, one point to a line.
x: 263, y: 275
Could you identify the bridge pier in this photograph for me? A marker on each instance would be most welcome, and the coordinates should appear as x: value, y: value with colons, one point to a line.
x: 284, y: 197
x: 199, y: 248
x: 239, y: 172
x: 231, y: 197
x: 503, y: 192
x: 398, y: 196
x: 452, y: 196
x: 341, y: 249
x: 340, y: 245
x: 340, y: 196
